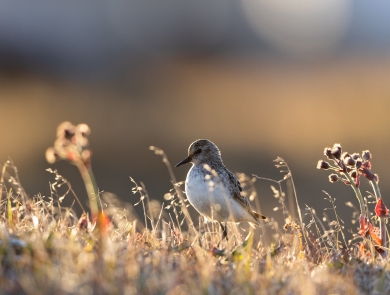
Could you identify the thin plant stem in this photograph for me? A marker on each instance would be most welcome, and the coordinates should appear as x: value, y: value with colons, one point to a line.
x: 357, y: 193
x: 382, y: 221
x: 92, y: 191
x: 189, y: 221
x: 148, y: 204
x: 90, y: 187
x: 296, y: 200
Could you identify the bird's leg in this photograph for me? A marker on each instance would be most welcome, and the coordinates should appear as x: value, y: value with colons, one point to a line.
x: 224, y: 231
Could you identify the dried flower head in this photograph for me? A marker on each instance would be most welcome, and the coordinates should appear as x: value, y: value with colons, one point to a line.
x: 366, y: 155
x: 333, y: 177
x: 65, y: 129
x: 323, y: 165
x: 328, y: 153
x: 336, y: 151
x: 349, y: 161
x: 355, y: 156
x: 71, y: 144
x: 51, y: 155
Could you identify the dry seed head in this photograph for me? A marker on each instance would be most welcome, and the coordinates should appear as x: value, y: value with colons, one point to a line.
x: 69, y: 133
x: 333, y: 177
x: 355, y: 156
x: 81, y: 141
x: 336, y: 151
x: 51, y: 155
x: 71, y: 144
x: 83, y: 129
x: 349, y: 161
x: 366, y: 155
x: 323, y: 165
x: 328, y: 153
x: 65, y: 129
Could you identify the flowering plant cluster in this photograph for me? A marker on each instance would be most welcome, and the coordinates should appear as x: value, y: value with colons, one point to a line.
x: 349, y: 168
x: 72, y: 145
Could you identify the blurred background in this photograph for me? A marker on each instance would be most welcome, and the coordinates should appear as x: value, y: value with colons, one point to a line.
x: 260, y: 79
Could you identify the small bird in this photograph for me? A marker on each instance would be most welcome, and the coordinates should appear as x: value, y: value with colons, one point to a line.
x: 213, y: 190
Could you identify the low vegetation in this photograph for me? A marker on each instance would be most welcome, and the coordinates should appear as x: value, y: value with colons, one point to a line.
x: 46, y: 248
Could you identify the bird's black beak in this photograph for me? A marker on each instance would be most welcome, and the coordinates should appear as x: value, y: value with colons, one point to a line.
x: 186, y: 160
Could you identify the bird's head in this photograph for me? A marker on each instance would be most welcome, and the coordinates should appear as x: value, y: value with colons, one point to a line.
x: 202, y: 151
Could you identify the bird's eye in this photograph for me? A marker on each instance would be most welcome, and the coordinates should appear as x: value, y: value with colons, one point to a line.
x: 198, y: 151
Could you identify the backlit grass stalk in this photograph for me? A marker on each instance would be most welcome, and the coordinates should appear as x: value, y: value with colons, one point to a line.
x: 9, y: 208
x: 189, y: 221
x: 44, y: 254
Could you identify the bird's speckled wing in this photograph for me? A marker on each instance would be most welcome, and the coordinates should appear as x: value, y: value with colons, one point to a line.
x: 236, y: 189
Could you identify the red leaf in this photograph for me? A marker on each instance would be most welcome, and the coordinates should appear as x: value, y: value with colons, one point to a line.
x: 367, y: 229
x: 373, y: 233
x: 360, y: 247
x: 381, y: 209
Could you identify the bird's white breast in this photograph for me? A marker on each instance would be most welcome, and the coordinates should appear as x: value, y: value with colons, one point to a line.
x: 210, y: 197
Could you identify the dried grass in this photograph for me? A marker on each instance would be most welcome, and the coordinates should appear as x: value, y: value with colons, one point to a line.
x: 47, y: 249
